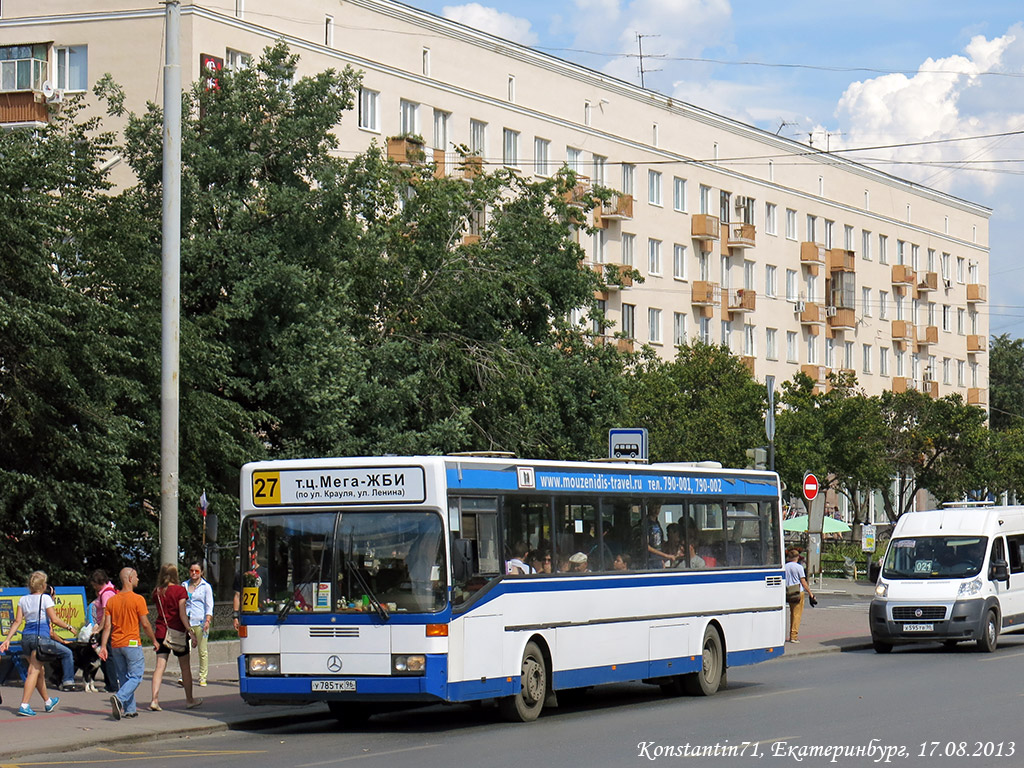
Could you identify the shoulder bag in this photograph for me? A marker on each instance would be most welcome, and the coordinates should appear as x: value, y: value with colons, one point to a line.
x: 793, y: 593
x: 175, y: 639
x: 45, y: 651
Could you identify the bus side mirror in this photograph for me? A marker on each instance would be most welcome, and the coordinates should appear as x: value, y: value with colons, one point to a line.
x: 999, y: 571
x: 462, y: 559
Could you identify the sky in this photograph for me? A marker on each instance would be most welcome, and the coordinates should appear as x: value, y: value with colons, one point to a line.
x: 841, y: 75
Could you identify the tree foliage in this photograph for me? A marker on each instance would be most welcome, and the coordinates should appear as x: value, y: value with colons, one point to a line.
x: 1006, y: 382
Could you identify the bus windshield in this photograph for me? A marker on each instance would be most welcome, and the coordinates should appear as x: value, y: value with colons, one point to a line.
x: 345, y: 562
x: 934, y: 557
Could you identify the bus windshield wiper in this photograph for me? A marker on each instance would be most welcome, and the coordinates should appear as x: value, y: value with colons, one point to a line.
x: 378, y: 608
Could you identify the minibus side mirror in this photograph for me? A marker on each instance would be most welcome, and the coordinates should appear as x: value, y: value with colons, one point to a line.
x: 999, y: 571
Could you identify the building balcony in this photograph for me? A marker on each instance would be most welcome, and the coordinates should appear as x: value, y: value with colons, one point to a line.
x: 622, y: 345
x: 927, y: 334
x: 749, y: 361
x: 743, y: 300
x: 975, y: 344
x: 900, y: 384
x: 841, y: 319
x: 23, y: 108
x: 616, y: 276
x: 812, y: 254
x: 456, y: 165
x: 841, y: 260
x: 976, y: 292
x: 575, y: 195
x: 930, y: 388
x: 618, y: 208
x: 406, y: 150
x: 976, y: 396
x: 704, y: 293
x: 815, y: 372
x: 927, y: 281
x: 739, y: 235
x: 902, y: 275
x: 470, y: 239
x: 810, y: 313
x: 902, y: 331
x: 705, y: 227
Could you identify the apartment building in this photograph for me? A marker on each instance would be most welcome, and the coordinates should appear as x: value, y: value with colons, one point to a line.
x: 798, y: 260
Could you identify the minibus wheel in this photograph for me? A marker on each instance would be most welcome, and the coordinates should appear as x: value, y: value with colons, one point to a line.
x: 708, y: 679
x: 526, y: 705
x: 349, y: 713
x: 990, y: 633
x: 881, y: 647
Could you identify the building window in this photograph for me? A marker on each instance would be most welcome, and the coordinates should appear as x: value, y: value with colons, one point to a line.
x: 830, y: 229
x: 599, y: 169
x: 915, y: 257
x: 426, y: 62
x: 961, y: 316
x: 960, y: 269
x: 790, y: 224
x: 704, y: 265
x: 865, y: 245
x: 812, y: 228
x: 654, y: 256
x: 749, y: 340
x: 236, y: 61
x: 771, y: 215
x: 654, y: 134
x: 724, y: 200
x: 946, y: 367
x: 627, y: 248
x: 654, y: 325
x: 368, y: 104
x: 883, y: 305
x: 410, y: 115
x: 883, y: 361
x: 628, y: 178
x: 23, y: 67
x: 512, y: 89
x: 478, y: 138
x: 72, y: 67
x: 770, y: 286
x: 654, y: 187
x: 848, y: 355
x: 679, y: 194
x: 748, y: 276
x: 678, y: 328
x: 946, y: 274
x: 574, y: 159
x: 727, y: 335
x: 705, y: 199
x: 705, y: 330
x: 588, y: 110
x: 899, y: 306
x: 791, y: 346
x: 830, y: 353
x: 901, y: 251
x: 679, y: 261
x: 441, y: 119
x: 541, y: 156
x: 972, y: 272
x: 867, y: 358
x: 771, y: 344
x: 791, y: 285
x: 883, y: 249
x: 866, y: 300
x: 629, y: 321
x: 329, y: 33
x: 510, y: 148
x: 931, y: 259
x: 602, y: 308
x: 812, y: 350
x: 848, y: 237
x: 960, y: 373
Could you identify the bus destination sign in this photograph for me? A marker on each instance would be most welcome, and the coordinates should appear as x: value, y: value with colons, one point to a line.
x: 357, y: 485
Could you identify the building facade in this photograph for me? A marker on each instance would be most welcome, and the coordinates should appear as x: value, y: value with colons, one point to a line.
x: 798, y: 260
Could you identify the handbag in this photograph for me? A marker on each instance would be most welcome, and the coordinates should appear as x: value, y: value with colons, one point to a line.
x: 793, y: 593
x: 175, y: 639
x: 45, y: 647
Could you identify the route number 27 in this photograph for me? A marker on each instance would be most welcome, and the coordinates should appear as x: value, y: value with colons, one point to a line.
x: 266, y: 488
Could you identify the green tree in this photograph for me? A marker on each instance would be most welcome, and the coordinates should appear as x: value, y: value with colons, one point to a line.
x: 704, y: 405
x: 1006, y: 382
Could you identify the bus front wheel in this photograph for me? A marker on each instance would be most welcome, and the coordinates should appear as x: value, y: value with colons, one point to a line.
x: 526, y: 705
x: 350, y: 714
x: 990, y: 633
x: 707, y: 680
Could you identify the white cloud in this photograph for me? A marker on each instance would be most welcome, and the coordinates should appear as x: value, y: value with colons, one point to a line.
x: 493, y: 21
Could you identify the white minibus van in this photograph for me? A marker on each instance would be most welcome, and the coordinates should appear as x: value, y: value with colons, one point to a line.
x: 950, y: 575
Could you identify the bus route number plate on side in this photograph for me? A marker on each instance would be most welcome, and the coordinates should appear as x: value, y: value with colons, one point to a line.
x: 334, y: 685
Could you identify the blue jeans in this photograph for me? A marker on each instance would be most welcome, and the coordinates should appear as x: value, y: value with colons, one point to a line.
x: 129, y: 666
x: 64, y: 655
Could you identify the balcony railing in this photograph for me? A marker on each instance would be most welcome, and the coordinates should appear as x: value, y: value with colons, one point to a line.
x: 977, y: 292
x: 812, y: 254
x: 740, y: 235
x: 618, y: 208
x: 927, y: 334
x: 623, y: 280
x: 811, y: 313
x: 704, y: 293
x: 927, y: 281
x: 900, y: 384
x: 930, y: 388
x: 23, y: 107
x: 976, y: 396
x: 902, y: 330
x: 841, y: 260
x: 975, y: 343
x: 816, y: 372
x: 903, y: 275
x: 406, y: 151
x: 704, y: 226
x: 742, y: 300
x: 841, y: 319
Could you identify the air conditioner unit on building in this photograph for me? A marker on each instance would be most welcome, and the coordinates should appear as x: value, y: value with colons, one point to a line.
x: 741, y: 202
x: 799, y: 306
x: 831, y: 311
x: 947, y: 283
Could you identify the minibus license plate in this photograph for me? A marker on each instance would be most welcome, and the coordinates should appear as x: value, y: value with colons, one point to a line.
x: 334, y: 685
x: 918, y: 627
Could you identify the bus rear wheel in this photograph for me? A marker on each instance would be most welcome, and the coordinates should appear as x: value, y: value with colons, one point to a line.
x: 525, y: 706
x: 708, y: 679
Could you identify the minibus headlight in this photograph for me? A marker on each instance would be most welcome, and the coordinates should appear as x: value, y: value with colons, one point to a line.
x: 970, y: 588
x: 266, y: 664
x: 882, y: 589
x: 411, y: 664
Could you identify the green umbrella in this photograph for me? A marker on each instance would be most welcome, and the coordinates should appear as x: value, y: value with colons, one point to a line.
x: 799, y: 523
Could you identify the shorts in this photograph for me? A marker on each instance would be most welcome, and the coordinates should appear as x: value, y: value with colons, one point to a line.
x: 164, y: 650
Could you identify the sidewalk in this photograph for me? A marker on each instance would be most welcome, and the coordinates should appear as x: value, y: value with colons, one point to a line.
x: 838, y: 623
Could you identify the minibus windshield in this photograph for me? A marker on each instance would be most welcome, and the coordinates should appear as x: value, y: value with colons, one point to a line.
x: 934, y: 557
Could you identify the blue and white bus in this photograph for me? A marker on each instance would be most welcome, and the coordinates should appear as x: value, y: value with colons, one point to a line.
x: 370, y: 583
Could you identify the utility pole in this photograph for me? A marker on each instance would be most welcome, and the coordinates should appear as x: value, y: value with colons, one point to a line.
x: 170, y: 308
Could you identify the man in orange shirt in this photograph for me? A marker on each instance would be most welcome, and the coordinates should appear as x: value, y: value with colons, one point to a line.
x: 126, y: 612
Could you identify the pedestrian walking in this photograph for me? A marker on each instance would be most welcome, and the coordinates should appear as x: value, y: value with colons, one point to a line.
x: 125, y: 615
x: 36, y: 610
x: 173, y: 634
x: 796, y: 588
x: 200, y: 615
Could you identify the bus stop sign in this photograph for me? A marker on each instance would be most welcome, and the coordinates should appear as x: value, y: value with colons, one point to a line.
x: 627, y: 444
x: 810, y: 486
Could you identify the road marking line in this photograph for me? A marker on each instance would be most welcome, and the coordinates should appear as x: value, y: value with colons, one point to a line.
x: 775, y: 693
x: 368, y: 754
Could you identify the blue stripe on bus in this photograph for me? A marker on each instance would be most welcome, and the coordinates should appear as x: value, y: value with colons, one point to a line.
x: 613, y: 483
x: 753, y: 656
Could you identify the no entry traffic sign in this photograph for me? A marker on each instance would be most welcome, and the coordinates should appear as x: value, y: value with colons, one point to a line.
x: 810, y: 486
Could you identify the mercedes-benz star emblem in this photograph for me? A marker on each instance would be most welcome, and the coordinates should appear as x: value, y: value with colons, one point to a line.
x: 334, y: 664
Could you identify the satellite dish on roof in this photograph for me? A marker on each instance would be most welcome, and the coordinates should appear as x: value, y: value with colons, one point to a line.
x: 48, y: 89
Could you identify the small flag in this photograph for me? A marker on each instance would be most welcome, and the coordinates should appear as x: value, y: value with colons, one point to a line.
x: 204, y: 504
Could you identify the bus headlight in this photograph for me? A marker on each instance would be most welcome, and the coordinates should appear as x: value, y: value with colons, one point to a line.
x: 881, y: 589
x: 969, y: 588
x: 267, y: 664
x: 412, y: 664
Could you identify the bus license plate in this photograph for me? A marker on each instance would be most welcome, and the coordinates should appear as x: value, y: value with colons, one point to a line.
x: 918, y: 627
x: 334, y: 685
